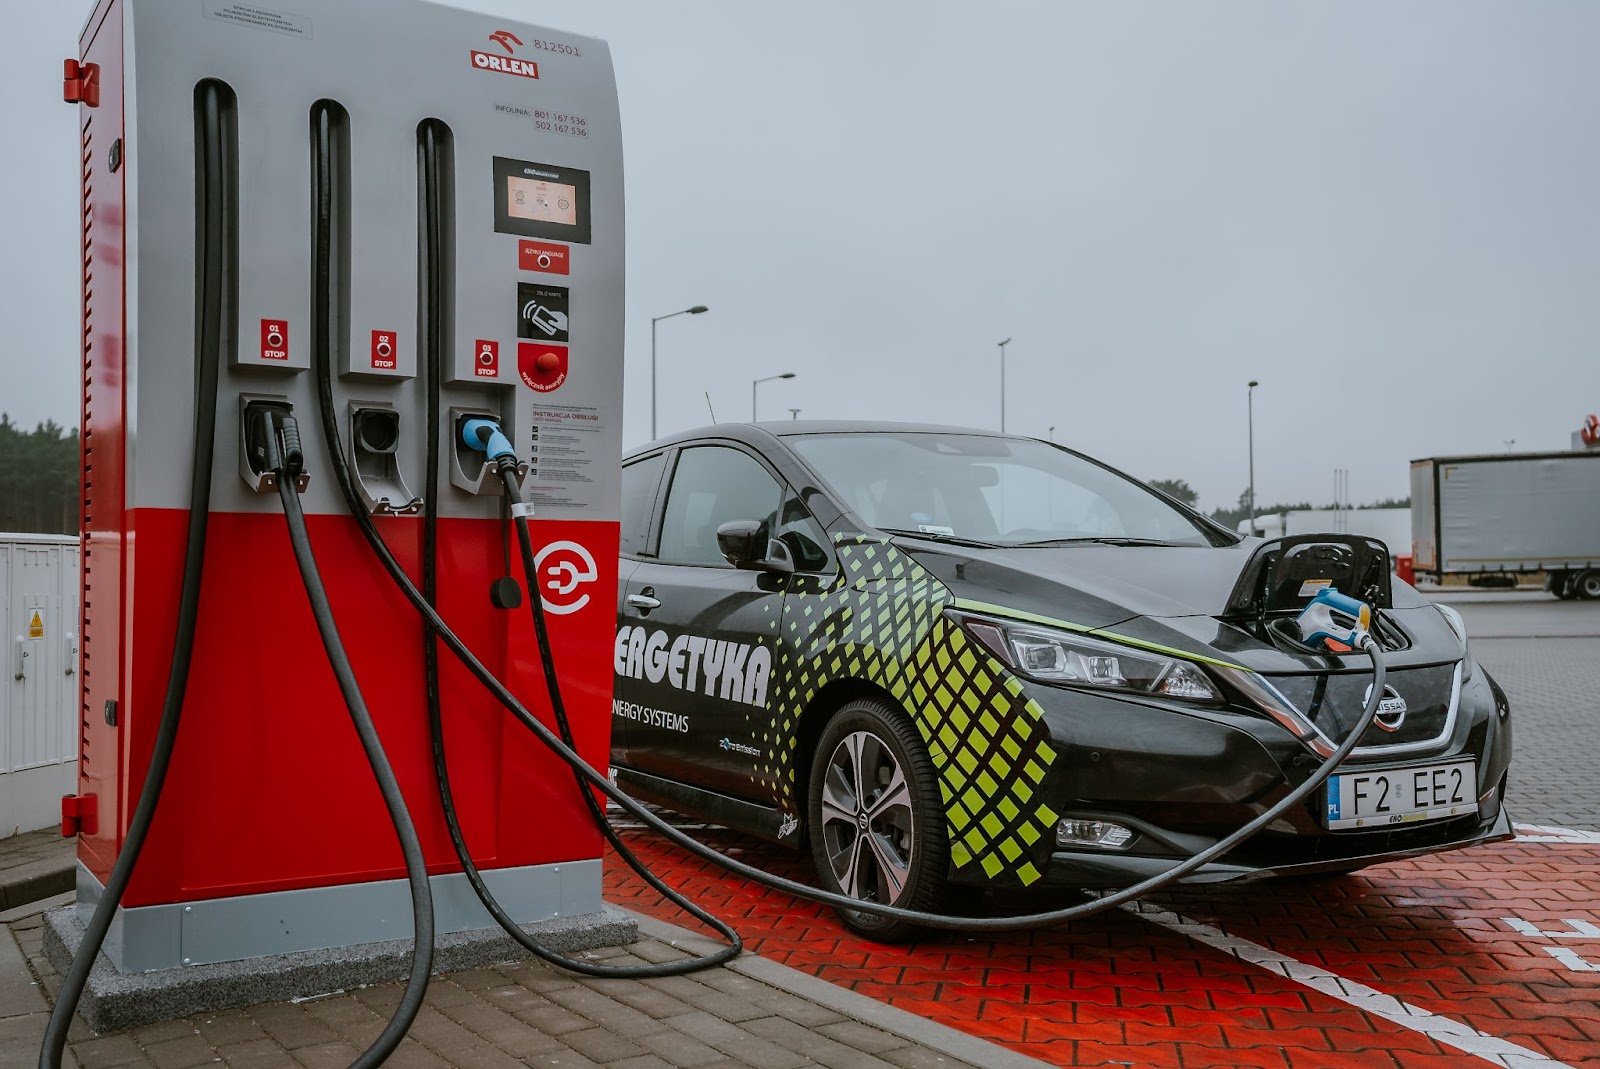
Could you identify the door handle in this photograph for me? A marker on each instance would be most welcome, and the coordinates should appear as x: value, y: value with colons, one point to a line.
x: 20, y: 669
x: 643, y: 602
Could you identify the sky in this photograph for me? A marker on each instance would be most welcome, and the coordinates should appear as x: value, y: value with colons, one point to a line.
x: 1388, y: 214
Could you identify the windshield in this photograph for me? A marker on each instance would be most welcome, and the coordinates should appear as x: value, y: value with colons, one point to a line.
x: 1005, y: 491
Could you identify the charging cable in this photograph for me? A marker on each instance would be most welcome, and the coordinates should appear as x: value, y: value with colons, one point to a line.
x: 1154, y: 883
x: 278, y: 436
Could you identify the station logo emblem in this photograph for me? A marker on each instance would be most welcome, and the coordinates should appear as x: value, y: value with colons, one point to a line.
x: 564, y: 569
x: 507, y: 64
x: 542, y: 367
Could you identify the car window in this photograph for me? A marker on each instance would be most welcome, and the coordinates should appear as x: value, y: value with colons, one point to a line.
x: 1004, y: 490
x: 803, y: 535
x: 639, y: 483
x: 712, y: 485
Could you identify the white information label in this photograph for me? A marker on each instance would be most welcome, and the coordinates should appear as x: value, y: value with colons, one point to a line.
x: 566, y: 458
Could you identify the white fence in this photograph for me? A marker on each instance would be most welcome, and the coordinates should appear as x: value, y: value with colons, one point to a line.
x: 39, y: 690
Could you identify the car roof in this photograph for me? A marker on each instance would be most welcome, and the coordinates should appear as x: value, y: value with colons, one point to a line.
x: 763, y: 432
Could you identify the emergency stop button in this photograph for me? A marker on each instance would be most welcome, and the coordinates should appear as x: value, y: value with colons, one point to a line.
x: 275, y: 339
x: 384, y: 344
x: 486, y: 365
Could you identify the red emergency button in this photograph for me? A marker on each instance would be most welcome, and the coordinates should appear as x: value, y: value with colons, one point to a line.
x: 486, y: 365
x: 542, y: 367
x: 275, y: 339
x: 384, y: 344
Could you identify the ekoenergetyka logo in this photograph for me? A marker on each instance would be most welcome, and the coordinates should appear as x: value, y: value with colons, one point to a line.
x: 732, y: 671
x: 563, y: 569
x: 507, y: 64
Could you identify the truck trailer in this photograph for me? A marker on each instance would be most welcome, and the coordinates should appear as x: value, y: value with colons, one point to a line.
x: 1510, y: 514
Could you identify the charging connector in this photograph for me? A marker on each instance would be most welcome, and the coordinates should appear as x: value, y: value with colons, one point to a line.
x: 269, y: 441
x: 475, y: 463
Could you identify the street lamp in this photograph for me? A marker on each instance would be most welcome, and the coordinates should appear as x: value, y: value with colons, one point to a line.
x: 696, y: 310
x: 1250, y: 401
x: 758, y: 382
x: 1003, y: 384
x: 794, y: 413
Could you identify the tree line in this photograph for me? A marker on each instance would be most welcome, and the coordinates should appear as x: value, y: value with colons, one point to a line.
x: 1230, y: 517
x: 38, y: 478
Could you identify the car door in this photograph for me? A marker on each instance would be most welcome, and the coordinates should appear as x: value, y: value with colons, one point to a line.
x: 641, y: 486
x: 696, y: 636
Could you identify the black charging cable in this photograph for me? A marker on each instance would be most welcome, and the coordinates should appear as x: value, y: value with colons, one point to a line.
x: 215, y: 259
x: 1293, y: 798
x: 278, y: 435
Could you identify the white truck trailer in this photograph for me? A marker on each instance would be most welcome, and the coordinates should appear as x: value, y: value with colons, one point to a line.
x: 1508, y: 514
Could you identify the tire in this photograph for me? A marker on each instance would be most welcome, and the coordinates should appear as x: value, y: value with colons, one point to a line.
x: 1556, y: 583
x: 1587, y: 585
x: 905, y: 860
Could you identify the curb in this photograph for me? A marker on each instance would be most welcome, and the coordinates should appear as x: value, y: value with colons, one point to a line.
x: 908, y: 1026
x: 36, y: 880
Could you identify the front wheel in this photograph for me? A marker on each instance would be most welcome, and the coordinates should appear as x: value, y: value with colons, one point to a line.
x: 1587, y: 585
x: 877, y: 824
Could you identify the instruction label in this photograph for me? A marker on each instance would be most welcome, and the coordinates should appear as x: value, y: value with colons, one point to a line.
x: 565, y: 442
x: 35, y: 623
x: 259, y: 18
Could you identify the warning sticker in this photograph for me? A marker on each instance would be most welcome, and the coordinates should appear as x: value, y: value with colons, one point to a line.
x: 1312, y: 587
x: 36, y: 623
x: 541, y: 312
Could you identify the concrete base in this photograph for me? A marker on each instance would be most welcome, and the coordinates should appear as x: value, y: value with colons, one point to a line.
x: 115, y: 1000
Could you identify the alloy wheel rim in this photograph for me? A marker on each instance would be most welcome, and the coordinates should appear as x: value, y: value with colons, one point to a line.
x: 868, y: 824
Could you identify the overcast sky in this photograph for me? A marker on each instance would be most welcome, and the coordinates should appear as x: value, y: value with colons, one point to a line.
x: 1387, y: 213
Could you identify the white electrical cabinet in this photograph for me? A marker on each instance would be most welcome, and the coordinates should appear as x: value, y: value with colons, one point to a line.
x: 39, y: 689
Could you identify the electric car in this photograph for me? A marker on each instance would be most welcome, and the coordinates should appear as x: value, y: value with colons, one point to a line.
x: 942, y: 658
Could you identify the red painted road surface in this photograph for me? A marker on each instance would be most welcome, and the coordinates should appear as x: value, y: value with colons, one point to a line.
x: 1466, y: 936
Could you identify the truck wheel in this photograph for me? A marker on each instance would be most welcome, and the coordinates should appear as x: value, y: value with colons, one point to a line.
x: 1587, y: 585
x: 1556, y: 583
x: 877, y: 822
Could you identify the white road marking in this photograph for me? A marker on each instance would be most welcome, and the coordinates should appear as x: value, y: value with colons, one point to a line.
x: 1540, y: 833
x: 1443, y: 1030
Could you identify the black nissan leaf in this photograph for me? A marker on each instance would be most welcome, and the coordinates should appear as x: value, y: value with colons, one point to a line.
x: 942, y: 658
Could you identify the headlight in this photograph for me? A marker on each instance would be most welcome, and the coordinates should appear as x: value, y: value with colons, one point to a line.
x: 1061, y: 657
x: 1459, y: 626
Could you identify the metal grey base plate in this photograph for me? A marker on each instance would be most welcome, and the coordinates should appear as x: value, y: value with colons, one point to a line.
x: 115, y: 1000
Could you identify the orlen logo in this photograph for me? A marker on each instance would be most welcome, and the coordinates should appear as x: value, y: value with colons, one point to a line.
x: 507, y: 40
x: 563, y: 568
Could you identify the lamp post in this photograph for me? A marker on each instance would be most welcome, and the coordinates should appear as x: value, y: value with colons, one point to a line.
x: 1250, y: 402
x: 758, y: 382
x: 1052, y: 432
x: 696, y: 310
x: 794, y: 413
x: 1003, y: 384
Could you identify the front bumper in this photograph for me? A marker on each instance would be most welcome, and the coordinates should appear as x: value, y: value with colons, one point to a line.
x: 1186, y: 777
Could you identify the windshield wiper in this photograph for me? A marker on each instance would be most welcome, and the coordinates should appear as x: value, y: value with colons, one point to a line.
x: 938, y: 536
x: 1103, y: 540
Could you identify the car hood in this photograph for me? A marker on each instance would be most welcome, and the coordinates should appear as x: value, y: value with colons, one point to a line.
x: 1168, y: 595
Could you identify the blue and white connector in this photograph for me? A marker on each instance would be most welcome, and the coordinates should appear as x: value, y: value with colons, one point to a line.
x: 486, y: 436
x: 1335, y: 622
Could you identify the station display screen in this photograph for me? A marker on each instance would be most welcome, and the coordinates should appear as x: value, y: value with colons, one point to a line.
x: 539, y: 200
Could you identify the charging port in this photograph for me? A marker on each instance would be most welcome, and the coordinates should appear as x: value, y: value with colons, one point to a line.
x: 255, y: 422
x: 470, y: 469
x: 374, y: 453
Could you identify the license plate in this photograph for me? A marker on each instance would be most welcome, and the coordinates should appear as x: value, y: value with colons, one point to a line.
x: 1376, y: 798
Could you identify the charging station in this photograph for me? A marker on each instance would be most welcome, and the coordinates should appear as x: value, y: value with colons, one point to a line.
x: 430, y: 200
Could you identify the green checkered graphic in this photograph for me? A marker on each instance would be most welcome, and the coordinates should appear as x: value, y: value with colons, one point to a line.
x: 881, y: 619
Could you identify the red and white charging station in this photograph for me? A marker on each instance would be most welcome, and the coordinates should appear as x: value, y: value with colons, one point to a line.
x: 271, y: 836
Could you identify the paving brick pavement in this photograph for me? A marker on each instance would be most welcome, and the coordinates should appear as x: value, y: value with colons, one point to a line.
x: 520, y: 1013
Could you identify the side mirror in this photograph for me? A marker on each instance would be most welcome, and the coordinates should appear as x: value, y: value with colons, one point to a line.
x: 745, y: 546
